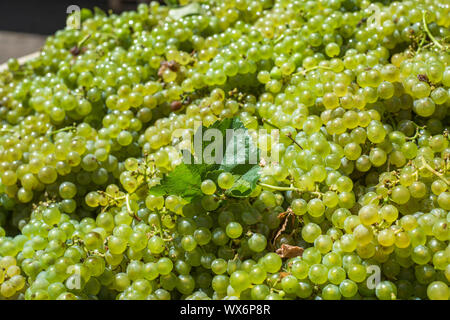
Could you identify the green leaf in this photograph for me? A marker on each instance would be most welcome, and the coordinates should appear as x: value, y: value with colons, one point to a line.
x: 183, y: 181
x: 222, y: 126
x: 245, y: 184
x: 188, y: 10
x: 244, y: 156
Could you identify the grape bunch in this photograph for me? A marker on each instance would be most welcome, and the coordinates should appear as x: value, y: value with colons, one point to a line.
x: 97, y: 200
x: 12, y: 282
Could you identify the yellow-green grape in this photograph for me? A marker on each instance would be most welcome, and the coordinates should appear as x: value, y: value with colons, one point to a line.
x: 438, y: 290
x: 363, y: 234
x: 7, y: 289
x: 389, y: 213
x: 153, y: 202
x: 92, y: 199
x: 386, y: 237
x: 225, y: 180
x: 369, y: 215
x: 208, y: 187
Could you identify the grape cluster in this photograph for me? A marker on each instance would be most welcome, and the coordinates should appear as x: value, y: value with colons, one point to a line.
x: 12, y: 282
x: 356, y: 206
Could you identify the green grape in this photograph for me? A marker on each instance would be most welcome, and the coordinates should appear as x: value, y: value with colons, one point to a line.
x: 234, y: 230
x: 299, y: 269
x: 188, y: 243
x: 208, y: 187
x: 421, y: 255
x: 257, y: 275
x: 357, y: 272
x: 348, y: 288
x: 299, y: 206
x: 336, y: 275
x: 257, y: 242
x: 220, y: 283
x: 400, y: 195
x: 305, y: 289
x: 386, y: 237
x: 389, y: 213
x: 260, y: 292
x: 377, y: 157
x: 318, y: 274
x: 47, y: 175
x: 289, y: 284
x: 386, y: 290
x: 239, y: 280
x: 348, y: 243
x: 52, y: 215
x: 310, y: 232
x: 312, y: 256
x: 156, y: 245
x: 67, y: 190
x: 271, y: 262
x: 368, y: 215
x: 438, y: 290
x: 331, y: 292
x: 225, y: 180
x: 185, y: 284
x: 315, y: 207
x: 332, y: 259
x: 116, y: 245
x: 323, y: 243
x: 164, y: 266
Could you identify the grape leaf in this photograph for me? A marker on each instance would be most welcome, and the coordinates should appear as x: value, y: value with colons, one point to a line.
x: 245, y: 184
x: 183, y: 181
x: 240, y: 158
x: 244, y: 156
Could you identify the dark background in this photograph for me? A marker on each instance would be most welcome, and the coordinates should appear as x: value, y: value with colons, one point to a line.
x: 40, y: 16
x: 25, y: 24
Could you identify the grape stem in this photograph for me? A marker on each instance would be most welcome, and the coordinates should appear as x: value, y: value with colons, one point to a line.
x: 280, y: 188
x: 160, y: 224
x: 289, y: 135
x: 422, y: 41
x: 439, y: 175
x: 270, y: 124
x: 112, y: 197
x: 305, y: 71
x: 389, y: 163
x: 83, y: 41
x: 288, y: 189
x: 417, y: 134
x: 425, y: 26
x: 61, y: 130
x: 130, y: 212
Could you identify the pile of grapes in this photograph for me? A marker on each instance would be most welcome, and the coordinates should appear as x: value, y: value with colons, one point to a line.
x: 97, y: 201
